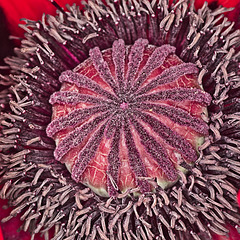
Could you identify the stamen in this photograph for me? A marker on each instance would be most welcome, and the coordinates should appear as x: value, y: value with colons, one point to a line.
x: 206, y: 195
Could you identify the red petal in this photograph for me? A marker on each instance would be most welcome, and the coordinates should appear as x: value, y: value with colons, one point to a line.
x: 1, y: 236
x: 238, y: 198
x: 9, y: 230
x: 218, y: 237
x: 227, y: 3
x: 233, y: 15
x: 15, y: 10
x: 233, y: 234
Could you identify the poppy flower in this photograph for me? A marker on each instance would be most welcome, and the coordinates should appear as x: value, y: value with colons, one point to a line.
x: 122, y: 122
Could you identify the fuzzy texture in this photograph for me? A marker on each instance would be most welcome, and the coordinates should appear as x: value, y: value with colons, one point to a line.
x: 109, y: 94
x: 41, y: 189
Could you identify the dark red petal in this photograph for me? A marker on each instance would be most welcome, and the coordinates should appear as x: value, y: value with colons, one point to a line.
x: 1, y: 236
x: 199, y: 3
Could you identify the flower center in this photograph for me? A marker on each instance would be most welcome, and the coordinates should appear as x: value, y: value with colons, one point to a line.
x: 129, y: 116
x: 124, y: 105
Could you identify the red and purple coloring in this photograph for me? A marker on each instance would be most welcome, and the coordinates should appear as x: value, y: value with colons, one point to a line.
x: 128, y: 114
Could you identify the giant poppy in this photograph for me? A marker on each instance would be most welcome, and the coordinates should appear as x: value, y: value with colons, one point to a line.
x: 193, y: 193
